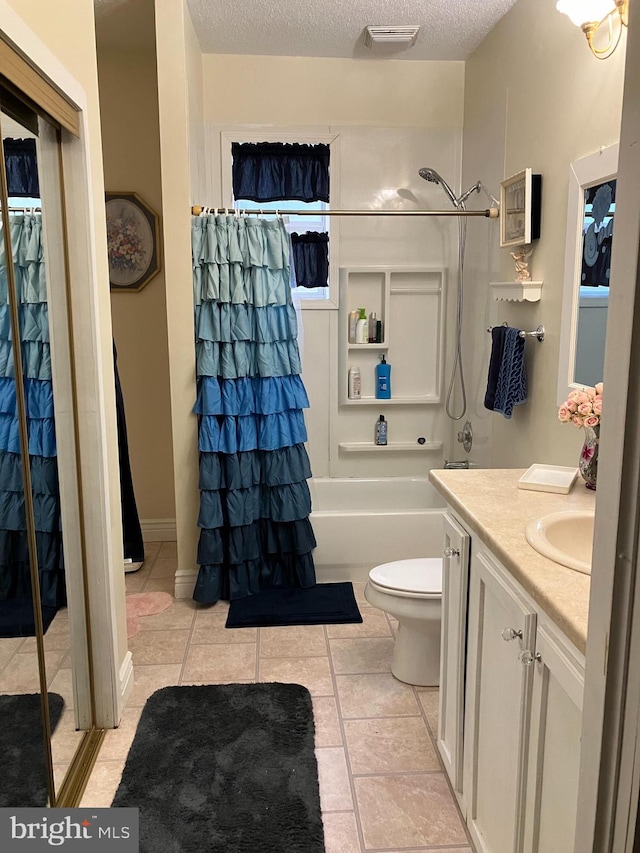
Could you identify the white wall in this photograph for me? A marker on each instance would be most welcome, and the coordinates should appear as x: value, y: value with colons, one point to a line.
x: 534, y: 97
x: 392, y: 118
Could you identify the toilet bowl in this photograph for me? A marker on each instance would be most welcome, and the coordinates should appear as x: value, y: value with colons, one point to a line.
x: 411, y: 592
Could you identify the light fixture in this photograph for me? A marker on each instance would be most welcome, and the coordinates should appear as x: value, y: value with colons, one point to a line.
x: 590, y: 15
x: 401, y: 36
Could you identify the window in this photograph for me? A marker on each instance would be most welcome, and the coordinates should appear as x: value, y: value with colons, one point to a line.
x: 314, y: 222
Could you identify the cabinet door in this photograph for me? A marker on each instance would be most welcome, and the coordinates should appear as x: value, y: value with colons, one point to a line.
x: 554, y: 747
x: 455, y: 581
x: 498, y: 701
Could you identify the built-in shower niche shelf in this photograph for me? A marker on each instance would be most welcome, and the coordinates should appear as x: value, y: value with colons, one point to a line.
x: 410, y: 301
x: 425, y: 400
x: 516, y: 291
x: 391, y: 447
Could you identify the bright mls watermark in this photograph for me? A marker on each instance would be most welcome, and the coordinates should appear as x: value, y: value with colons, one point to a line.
x: 26, y: 830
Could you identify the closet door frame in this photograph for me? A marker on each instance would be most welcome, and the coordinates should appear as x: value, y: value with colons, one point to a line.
x: 94, y: 377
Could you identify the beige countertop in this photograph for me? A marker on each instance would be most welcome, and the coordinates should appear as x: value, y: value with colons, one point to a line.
x: 497, y: 511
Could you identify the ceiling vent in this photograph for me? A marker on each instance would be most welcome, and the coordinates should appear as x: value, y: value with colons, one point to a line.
x: 400, y: 36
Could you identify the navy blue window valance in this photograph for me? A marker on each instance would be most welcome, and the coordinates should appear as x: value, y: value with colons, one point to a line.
x: 22, y: 168
x: 311, y: 259
x: 277, y: 171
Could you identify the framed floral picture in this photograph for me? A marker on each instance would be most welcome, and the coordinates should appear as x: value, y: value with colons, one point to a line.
x: 520, y: 207
x: 132, y: 241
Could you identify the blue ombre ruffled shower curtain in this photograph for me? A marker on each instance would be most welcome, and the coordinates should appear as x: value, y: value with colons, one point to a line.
x: 15, y: 583
x: 254, y: 523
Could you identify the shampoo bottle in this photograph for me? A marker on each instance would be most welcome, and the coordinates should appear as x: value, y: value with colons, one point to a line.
x: 381, y: 431
x: 362, y: 328
x: 383, y: 380
x: 354, y: 390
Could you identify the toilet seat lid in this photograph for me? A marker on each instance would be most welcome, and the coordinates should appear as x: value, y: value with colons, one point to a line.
x: 423, y: 575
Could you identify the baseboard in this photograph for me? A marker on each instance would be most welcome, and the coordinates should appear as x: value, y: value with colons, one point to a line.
x: 159, y: 529
x: 185, y: 582
x: 126, y: 683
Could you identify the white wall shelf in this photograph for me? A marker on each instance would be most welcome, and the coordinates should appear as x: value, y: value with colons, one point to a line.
x: 394, y: 401
x: 369, y: 346
x: 393, y: 446
x: 516, y: 291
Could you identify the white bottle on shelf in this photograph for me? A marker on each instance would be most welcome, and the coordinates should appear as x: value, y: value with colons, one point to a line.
x: 353, y: 320
x: 355, y: 384
x: 362, y: 328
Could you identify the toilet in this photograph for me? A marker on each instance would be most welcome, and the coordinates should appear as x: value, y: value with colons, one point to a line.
x: 411, y: 592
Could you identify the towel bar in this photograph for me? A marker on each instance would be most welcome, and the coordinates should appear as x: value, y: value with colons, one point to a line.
x: 538, y: 333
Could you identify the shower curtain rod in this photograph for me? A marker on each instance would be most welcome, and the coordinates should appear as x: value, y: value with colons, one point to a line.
x: 490, y: 213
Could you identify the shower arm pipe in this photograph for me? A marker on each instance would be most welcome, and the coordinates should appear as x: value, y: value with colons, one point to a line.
x: 489, y: 213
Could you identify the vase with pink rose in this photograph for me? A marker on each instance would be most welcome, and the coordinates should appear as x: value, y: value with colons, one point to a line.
x: 583, y: 409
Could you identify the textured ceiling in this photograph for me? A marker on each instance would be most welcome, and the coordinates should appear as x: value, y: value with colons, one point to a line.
x: 450, y: 29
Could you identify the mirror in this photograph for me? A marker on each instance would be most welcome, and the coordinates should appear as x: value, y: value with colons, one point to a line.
x: 590, y: 218
x: 45, y: 706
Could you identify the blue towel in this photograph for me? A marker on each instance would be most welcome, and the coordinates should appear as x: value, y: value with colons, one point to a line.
x: 497, y: 348
x: 509, y: 387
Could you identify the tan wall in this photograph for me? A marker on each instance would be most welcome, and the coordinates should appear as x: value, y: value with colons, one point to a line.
x: 534, y: 97
x: 131, y: 151
x: 293, y: 90
x: 179, y: 88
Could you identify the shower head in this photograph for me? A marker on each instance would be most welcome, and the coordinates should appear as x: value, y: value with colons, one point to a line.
x: 434, y: 178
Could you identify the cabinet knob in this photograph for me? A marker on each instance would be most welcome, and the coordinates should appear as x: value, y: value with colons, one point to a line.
x: 527, y: 657
x: 451, y: 552
x: 511, y: 634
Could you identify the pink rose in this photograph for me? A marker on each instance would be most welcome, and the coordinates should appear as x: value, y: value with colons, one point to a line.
x: 597, y: 406
x: 592, y: 421
x: 564, y: 415
x: 584, y: 408
x: 581, y: 397
x: 599, y: 388
x: 577, y: 420
x: 572, y: 405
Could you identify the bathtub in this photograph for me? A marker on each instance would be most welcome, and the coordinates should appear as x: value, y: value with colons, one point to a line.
x: 360, y: 523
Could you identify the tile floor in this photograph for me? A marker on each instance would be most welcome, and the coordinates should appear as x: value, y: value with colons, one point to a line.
x: 382, y: 784
x: 19, y: 674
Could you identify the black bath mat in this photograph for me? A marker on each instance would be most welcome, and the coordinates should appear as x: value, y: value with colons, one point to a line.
x: 23, y: 773
x: 17, y: 620
x: 322, y: 604
x: 225, y: 768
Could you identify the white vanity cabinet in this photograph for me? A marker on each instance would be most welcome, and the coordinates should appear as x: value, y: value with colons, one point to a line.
x: 510, y: 703
x: 501, y: 630
x: 553, y: 767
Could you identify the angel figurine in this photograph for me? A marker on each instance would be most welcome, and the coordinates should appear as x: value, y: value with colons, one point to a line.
x: 520, y: 257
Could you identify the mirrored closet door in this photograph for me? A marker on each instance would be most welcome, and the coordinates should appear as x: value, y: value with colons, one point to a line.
x: 46, y: 704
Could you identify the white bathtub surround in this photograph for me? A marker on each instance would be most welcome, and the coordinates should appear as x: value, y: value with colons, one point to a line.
x: 361, y: 523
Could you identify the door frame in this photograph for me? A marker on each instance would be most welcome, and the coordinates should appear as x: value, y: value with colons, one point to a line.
x: 95, y: 385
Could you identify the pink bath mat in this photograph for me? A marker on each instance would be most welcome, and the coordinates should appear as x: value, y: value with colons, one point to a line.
x: 141, y: 604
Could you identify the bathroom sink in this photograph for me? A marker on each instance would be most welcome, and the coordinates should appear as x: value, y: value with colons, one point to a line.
x: 564, y: 537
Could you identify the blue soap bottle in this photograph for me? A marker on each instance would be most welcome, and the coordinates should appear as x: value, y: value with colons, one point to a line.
x: 383, y: 380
